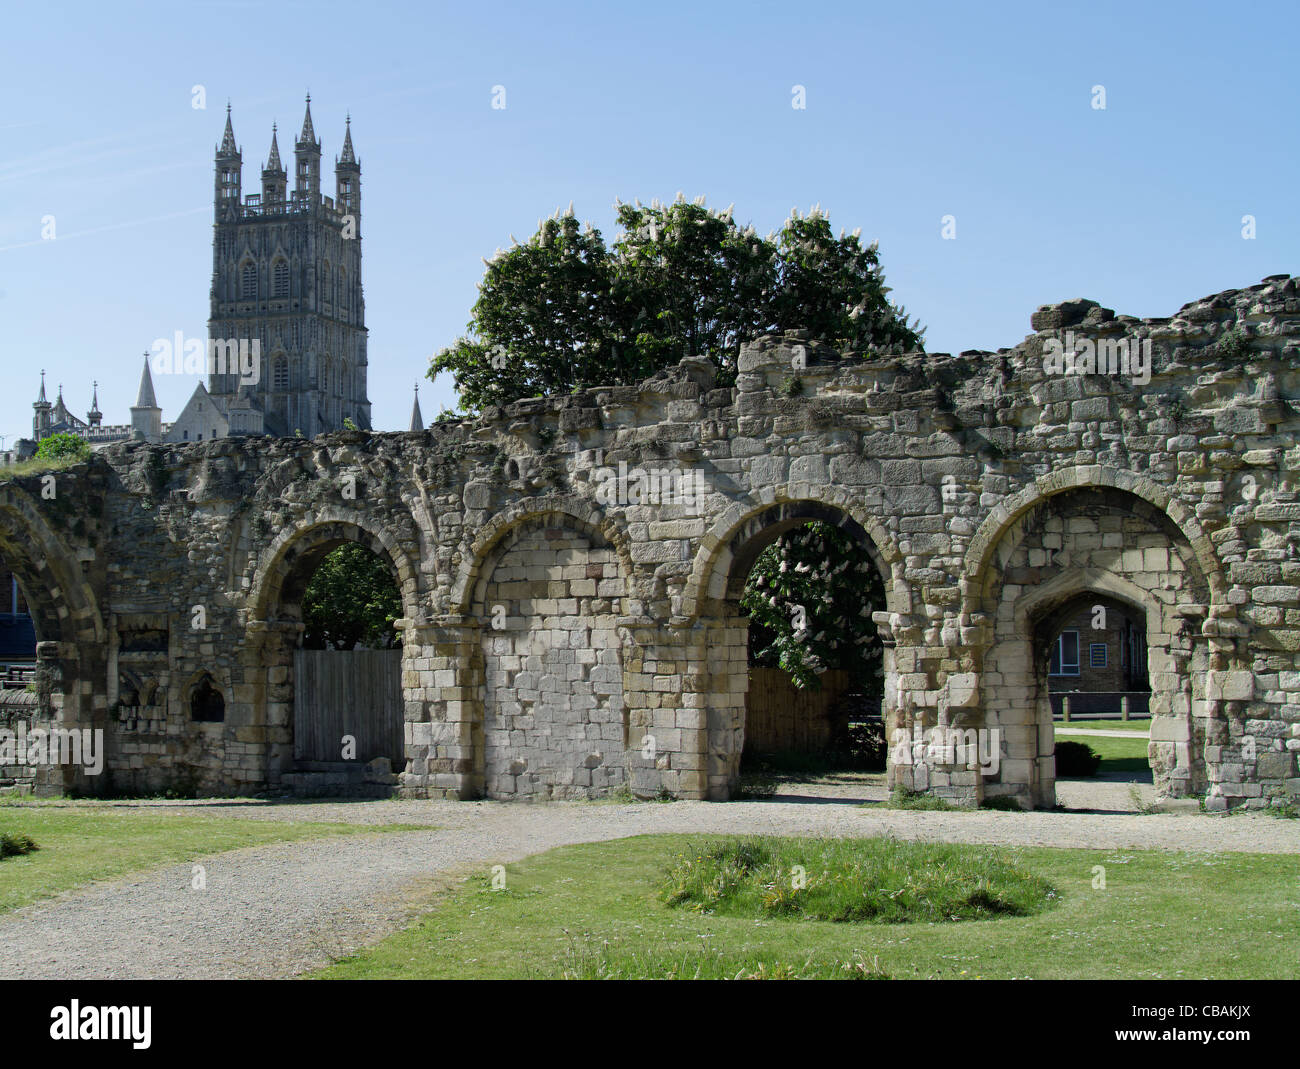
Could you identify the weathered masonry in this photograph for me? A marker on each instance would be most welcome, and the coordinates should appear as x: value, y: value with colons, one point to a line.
x: 572, y: 625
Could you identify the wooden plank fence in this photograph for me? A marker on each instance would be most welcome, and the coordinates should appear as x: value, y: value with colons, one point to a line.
x: 347, y: 692
x: 780, y: 716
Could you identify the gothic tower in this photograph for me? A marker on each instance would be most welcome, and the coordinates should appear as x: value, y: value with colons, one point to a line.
x: 286, y: 282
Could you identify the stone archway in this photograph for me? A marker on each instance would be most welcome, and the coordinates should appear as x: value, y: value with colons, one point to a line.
x: 552, y: 719
x: 71, y: 641
x: 1104, y: 542
x: 722, y: 629
x: 331, y: 751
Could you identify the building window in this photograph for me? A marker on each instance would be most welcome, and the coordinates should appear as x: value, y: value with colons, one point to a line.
x: 206, y: 703
x: 1097, y: 655
x: 1065, y: 655
x: 248, y: 285
x: 280, y: 376
x: 280, y: 279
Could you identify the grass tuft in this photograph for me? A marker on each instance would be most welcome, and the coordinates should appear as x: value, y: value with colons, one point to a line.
x: 902, y: 798
x: 603, y: 960
x: 16, y: 845
x: 870, y: 880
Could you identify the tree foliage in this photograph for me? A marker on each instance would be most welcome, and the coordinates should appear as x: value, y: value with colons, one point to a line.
x: 351, y: 602
x: 62, y: 446
x: 563, y: 311
x: 819, y: 577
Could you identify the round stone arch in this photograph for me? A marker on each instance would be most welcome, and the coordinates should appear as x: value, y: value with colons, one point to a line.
x: 711, y: 611
x: 979, y: 575
x: 492, y: 539
x: 1012, y: 584
x: 71, y: 638
x: 275, y: 627
x: 64, y: 607
x: 745, y: 529
x: 292, y: 555
x: 548, y: 715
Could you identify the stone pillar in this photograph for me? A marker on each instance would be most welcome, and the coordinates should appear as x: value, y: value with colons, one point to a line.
x: 724, y: 682
x: 268, y: 661
x: 668, y: 702
x: 442, y: 686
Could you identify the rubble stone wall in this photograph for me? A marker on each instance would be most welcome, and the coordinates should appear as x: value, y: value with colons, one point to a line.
x: 615, y: 527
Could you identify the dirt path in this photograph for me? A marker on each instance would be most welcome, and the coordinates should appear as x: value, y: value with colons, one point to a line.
x: 279, y: 910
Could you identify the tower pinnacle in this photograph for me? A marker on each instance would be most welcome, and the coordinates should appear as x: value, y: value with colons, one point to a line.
x: 228, y: 147
x: 308, y: 135
x: 417, y: 418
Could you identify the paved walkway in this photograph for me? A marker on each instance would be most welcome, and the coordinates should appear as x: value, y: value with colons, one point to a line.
x: 279, y: 910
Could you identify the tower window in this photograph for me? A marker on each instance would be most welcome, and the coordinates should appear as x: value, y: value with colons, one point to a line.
x: 248, y: 285
x: 280, y: 375
x: 280, y: 280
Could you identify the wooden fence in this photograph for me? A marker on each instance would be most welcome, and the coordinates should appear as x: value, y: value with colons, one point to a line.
x: 780, y: 716
x: 353, y: 692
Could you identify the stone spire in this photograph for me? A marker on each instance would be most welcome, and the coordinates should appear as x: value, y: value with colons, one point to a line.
x: 146, y: 416
x: 41, y: 416
x: 228, y: 138
x: 95, y: 416
x: 146, y: 398
x: 308, y: 135
x: 274, y: 164
x: 417, y: 418
x: 348, y: 155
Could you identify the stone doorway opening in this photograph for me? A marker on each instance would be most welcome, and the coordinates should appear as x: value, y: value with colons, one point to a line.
x: 805, y: 667
x: 1091, y: 653
x: 340, y: 655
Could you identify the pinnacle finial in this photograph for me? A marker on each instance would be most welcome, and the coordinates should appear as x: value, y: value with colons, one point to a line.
x: 349, y: 155
x: 273, y: 163
x: 228, y: 138
x: 417, y: 418
x: 308, y: 131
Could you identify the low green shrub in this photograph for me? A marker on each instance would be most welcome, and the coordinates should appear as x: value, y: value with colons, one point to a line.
x: 1076, y: 759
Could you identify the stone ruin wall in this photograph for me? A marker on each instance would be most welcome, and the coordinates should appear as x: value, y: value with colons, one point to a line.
x: 988, y: 492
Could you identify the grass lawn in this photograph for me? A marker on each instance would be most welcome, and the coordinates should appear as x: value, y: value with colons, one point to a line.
x: 83, y: 844
x: 599, y: 910
x: 1103, y: 725
x: 1117, y: 755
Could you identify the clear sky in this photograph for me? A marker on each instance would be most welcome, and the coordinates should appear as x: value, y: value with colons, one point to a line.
x: 914, y: 111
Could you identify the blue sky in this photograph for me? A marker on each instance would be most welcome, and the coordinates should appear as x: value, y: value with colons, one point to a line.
x: 913, y: 111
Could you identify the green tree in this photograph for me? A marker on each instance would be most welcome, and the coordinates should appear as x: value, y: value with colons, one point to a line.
x: 835, y: 288
x: 62, y: 446
x: 690, y: 282
x: 809, y: 597
x: 543, y: 322
x: 352, y: 600
x: 562, y: 311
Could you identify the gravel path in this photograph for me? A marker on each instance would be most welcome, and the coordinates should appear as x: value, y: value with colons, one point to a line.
x: 279, y: 910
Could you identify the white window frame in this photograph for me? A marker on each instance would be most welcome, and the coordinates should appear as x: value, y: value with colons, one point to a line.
x: 1062, y: 668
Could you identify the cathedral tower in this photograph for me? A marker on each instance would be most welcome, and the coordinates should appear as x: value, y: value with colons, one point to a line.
x: 286, y: 282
